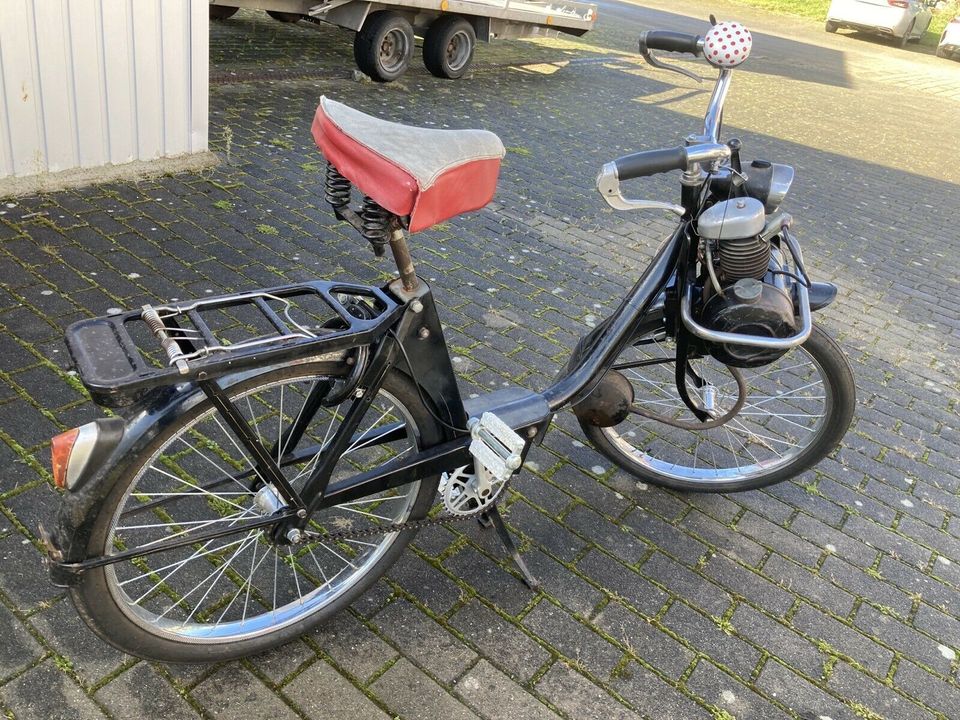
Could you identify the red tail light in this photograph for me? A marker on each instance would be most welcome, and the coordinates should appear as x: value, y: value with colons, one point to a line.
x: 899, y: 3
x: 60, y: 448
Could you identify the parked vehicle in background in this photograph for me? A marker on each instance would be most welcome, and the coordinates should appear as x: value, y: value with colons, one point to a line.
x: 383, y: 44
x: 902, y: 20
x: 950, y: 40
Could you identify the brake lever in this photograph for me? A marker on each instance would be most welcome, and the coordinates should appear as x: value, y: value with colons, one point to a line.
x: 653, y: 61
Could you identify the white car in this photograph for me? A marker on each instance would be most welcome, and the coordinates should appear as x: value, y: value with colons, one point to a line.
x: 903, y: 20
x: 950, y: 40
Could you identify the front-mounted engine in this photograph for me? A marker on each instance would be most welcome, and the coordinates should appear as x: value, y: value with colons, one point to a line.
x: 748, y: 289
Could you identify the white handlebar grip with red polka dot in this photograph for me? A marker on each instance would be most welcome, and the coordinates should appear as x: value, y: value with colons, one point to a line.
x: 727, y: 44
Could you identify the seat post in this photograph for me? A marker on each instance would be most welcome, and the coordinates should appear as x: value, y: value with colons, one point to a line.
x: 401, y: 255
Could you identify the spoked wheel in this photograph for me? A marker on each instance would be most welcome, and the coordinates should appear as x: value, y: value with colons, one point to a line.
x: 246, y: 592
x: 794, y: 412
x: 448, y: 47
x: 384, y: 45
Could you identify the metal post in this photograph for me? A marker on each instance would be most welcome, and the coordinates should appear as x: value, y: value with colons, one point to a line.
x: 401, y: 255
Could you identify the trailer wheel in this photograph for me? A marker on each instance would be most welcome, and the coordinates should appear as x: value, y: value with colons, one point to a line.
x: 222, y: 12
x: 383, y: 47
x: 448, y: 46
x: 284, y: 17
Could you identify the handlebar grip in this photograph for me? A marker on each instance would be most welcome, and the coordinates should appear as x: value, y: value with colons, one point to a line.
x: 670, y: 41
x: 651, y: 162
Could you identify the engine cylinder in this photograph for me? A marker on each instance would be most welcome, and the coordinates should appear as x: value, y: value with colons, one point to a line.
x: 744, y: 258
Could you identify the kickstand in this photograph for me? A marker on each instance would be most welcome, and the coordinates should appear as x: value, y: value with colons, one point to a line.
x: 492, y: 517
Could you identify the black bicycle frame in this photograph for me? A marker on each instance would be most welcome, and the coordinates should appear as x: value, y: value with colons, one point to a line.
x: 413, y: 343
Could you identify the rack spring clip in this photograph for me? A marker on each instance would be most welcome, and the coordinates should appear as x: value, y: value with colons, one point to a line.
x: 160, y: 331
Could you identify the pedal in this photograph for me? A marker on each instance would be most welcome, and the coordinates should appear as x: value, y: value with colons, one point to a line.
x: 495, y: 447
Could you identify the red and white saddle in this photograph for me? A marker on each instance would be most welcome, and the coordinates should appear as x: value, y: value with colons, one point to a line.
x: 430, y: 175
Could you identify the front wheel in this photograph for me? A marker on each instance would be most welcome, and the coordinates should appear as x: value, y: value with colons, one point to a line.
x: 831, y: 27
x: 795, y: 412
x: 247, y: 591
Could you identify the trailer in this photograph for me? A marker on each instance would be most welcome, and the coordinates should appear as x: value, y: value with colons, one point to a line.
x: 385, y: 29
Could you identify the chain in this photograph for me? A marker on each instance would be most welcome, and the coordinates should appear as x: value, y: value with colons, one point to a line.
x: 409, y: 525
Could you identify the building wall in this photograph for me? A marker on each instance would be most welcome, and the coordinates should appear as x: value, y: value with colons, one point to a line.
x: 86, y: 83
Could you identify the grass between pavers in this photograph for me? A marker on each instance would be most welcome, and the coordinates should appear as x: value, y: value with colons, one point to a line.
x: 817, y: 10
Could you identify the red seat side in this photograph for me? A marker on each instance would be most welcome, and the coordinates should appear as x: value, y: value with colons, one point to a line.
x: 391, y: 186
x: 457, y: 190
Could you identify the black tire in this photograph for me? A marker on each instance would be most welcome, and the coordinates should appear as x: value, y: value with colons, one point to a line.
x: 383, y: 47
x: 901, y: 42
x: 664, y: 455
x: 222, y: 12
x: 831, y: 27
x: 448, y: 47
x: 941, y: 53
x: 284, y: 17
x: 127, y: 612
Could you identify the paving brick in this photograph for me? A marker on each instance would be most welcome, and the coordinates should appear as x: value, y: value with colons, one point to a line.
x: 545, y: 532
x: 779, y: 540
x: 571, y: 591
x: 18, y: 649
x: 495, y: 695
x: 653, y: 697
x: 929, y: 689
x: 844, y: 639
x: 778, y: 640
x: 722, y: 690
x: 424, y: 641
x: 579, y: 698
x: 352, y: 646
x: 141, y: 692
x: 411, y: 694
x: 24, y: 579
x: 879, y: 698
x: 281, y: 662
x: 572, y: 639
x: 91, y: 658
x: 800, y: 695
x: 706, y: 636
x: 723, y: 539
x: 644, y: 640
x: 45, y: 692
x: 490, y: 580
x: 324, y: 694
x: 851, y: 547
x: 603, y: 533
x: 232, y: 693
x: 865, y: 586
x: 748, y: 584
x: 895, y: 544
x: 684, y: 583
x: 912, y: 580
x: 628, y: 585
x: 665, y: 536
x: 799, y: 580
x: 425, y: 582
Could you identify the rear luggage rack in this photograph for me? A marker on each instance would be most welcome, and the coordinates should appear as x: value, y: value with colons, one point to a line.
x: 119, y: 356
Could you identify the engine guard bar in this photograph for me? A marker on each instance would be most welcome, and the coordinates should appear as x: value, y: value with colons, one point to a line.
x: 769, y: 343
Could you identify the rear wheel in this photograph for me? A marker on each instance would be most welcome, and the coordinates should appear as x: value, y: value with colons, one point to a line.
x: 222, y: 12
x: 448, y: 47
x: 383, y: 47
x: 941, y: 53
x: 831, y: 27
x: 796, y: 411
x: 902, y: 41
x: 246, y: 592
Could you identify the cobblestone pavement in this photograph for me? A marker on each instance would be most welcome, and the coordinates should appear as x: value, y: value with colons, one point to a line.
x: 834, y: 595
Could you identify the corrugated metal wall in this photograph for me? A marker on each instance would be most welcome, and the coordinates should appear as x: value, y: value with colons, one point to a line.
x: 84, y: 83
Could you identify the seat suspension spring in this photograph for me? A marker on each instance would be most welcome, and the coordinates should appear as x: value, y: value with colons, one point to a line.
x: 375, y: 225
x: 336, y: 188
